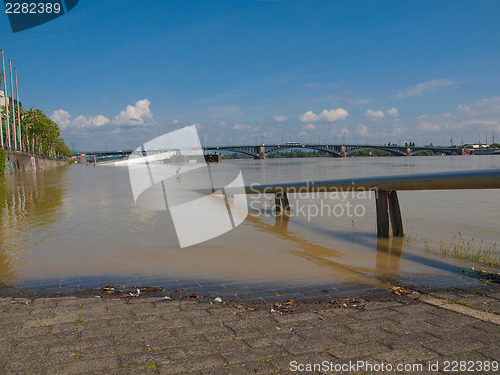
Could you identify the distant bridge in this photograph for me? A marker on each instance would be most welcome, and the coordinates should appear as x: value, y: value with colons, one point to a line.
x: 335, y: 150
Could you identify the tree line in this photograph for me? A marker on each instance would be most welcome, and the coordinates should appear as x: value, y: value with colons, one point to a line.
x: 39, y: 134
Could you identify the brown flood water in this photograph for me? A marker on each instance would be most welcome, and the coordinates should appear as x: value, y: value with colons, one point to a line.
x: 80, y: 221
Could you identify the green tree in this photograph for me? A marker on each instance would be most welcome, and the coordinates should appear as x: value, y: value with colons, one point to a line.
x: 39, y: 134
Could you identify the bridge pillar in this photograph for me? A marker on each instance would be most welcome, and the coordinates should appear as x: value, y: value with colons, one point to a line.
x: 342, y: 152
x: 262, y: 152
x: 462, y: 151
x: 83, y: 157
x: 387, y: 205
x: 408, y: 151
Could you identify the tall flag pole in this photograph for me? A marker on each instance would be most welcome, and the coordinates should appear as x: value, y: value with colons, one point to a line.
x: 1, y: 122
x: 6, y: 105
x: 18, y: 114
x: 13, y: 107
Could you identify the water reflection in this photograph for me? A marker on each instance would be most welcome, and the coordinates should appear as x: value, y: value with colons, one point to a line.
x: 30, y: 203
x: 389, y: 251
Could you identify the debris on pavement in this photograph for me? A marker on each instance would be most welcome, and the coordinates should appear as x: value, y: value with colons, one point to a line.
x: 347, y: 303
x: 124, y: 291
x: 400, y: 291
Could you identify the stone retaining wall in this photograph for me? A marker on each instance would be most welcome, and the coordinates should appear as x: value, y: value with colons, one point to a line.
x: 20, y: 162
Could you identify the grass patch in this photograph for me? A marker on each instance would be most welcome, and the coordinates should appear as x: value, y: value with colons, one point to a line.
x: 150, y: 365
x: 468, y: 249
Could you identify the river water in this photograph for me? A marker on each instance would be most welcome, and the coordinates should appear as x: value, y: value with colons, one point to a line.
x: 81, y: 221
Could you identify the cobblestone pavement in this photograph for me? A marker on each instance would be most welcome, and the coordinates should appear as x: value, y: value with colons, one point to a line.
x: 151, y: 335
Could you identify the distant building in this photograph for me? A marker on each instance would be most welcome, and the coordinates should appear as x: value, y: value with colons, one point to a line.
x: 2, y: 100
x: 476, y: 146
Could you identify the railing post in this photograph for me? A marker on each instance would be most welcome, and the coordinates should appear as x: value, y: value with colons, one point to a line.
x: 381, y: 203
x: 387, y: 205
x: 281, y: 202
x: 395, y: 214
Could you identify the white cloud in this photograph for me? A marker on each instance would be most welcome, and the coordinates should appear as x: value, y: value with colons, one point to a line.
x: 99, y: 120
x: 135, y: 115
x: 428, y: 86
x: 374, y: 115
x: 393, y: 112
x: 333, y: 115
x: 241, y: 127
x: 487, y: 106
x: 309, y: 127
x: 267, y: 134
x: 308, y: 117
x: 63, y: 119
x: 280, y: 118
x: 344, y: 131
x: 362, y: 130
x: 429, y: 126
x: 224, y: 111
x: 325, y: 115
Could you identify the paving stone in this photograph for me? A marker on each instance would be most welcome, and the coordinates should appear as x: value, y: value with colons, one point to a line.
x: 251, y: 323
x: 109, y: 331
x: 363, y: 326
x: 298, y: 363
x: 92, y: 352
x: 46, y: 340
x: 228, y: 346
x: 79, y: 343
x: 155, y: 356
x: 146, y: 335
x: 200, y: 329
x: 411, y: 326
x: 19, y: 361
x: 381, y: 305
x: 451, y: 347
x: 274, y: 338
x: 148, y: 369
x: 222, y: 318
x: 193, y: 364
x: 312, y: 345
x: 358, y: 350
x: 77, y: 367
x: 164, y: 324
x: 163, y: 342
x: 403, y: 341
x: 490, y: 351
x: 364, y: 336
x: 296, y: 317
x: 375, y: 314
x: 244, y: 368
x: 255, y: 354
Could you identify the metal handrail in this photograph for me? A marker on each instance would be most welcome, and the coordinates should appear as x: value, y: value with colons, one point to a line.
x: 468, y: 179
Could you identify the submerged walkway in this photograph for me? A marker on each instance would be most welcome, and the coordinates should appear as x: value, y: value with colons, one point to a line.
x: 423, y: 332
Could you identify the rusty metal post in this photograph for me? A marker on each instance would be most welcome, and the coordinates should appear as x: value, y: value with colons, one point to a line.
x: 395, y: 214
x: 381, y: 202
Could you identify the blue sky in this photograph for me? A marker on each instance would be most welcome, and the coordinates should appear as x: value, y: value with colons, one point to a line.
x: 116, y: 73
